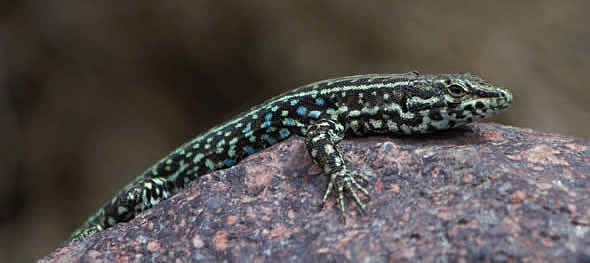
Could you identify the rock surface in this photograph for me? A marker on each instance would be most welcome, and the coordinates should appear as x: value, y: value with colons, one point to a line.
x: 486, y: 192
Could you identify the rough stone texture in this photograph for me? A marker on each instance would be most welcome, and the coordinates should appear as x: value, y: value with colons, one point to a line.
x: 486, y: 192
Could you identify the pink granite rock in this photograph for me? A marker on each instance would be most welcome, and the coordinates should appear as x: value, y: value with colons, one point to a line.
x: 486, y: 192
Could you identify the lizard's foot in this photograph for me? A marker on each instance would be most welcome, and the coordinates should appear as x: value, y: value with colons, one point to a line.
x: 342, y: 180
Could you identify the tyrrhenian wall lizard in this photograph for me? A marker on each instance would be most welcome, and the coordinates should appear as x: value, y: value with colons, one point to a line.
x: 324, y: 113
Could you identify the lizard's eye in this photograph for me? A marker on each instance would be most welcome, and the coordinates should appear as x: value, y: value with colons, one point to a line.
x: 456, y: 91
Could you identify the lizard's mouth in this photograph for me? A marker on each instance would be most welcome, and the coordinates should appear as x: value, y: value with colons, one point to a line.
x: 501, y: 102
x: 505, y: 100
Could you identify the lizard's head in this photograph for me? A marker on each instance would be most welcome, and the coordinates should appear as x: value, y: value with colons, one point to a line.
x: 457, y: 99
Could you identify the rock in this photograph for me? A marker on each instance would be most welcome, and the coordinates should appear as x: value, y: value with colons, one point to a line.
x: 486, y: 192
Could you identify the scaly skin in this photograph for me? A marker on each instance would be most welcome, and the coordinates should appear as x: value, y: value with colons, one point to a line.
x: 324, y: 113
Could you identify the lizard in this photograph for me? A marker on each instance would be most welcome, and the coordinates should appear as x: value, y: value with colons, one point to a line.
x: 323, y: 113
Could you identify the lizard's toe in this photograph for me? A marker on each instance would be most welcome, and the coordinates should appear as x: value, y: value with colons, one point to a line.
x: 344, y: 180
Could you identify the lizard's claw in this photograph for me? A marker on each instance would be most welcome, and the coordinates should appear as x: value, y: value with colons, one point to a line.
x: 342, y: 180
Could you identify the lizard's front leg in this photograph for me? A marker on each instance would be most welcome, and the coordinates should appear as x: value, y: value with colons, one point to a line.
x: 321, y: 141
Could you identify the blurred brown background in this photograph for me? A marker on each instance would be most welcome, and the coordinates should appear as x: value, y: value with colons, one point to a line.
x: 93, y: 92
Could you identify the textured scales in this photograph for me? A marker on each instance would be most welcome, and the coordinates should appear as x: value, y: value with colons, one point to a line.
x: 324, y: 113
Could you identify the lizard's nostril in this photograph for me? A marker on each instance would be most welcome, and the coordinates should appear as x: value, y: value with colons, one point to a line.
x: 507, y: 95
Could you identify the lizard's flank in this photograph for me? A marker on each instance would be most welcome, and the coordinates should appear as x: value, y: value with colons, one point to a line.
x: 323, y: 113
